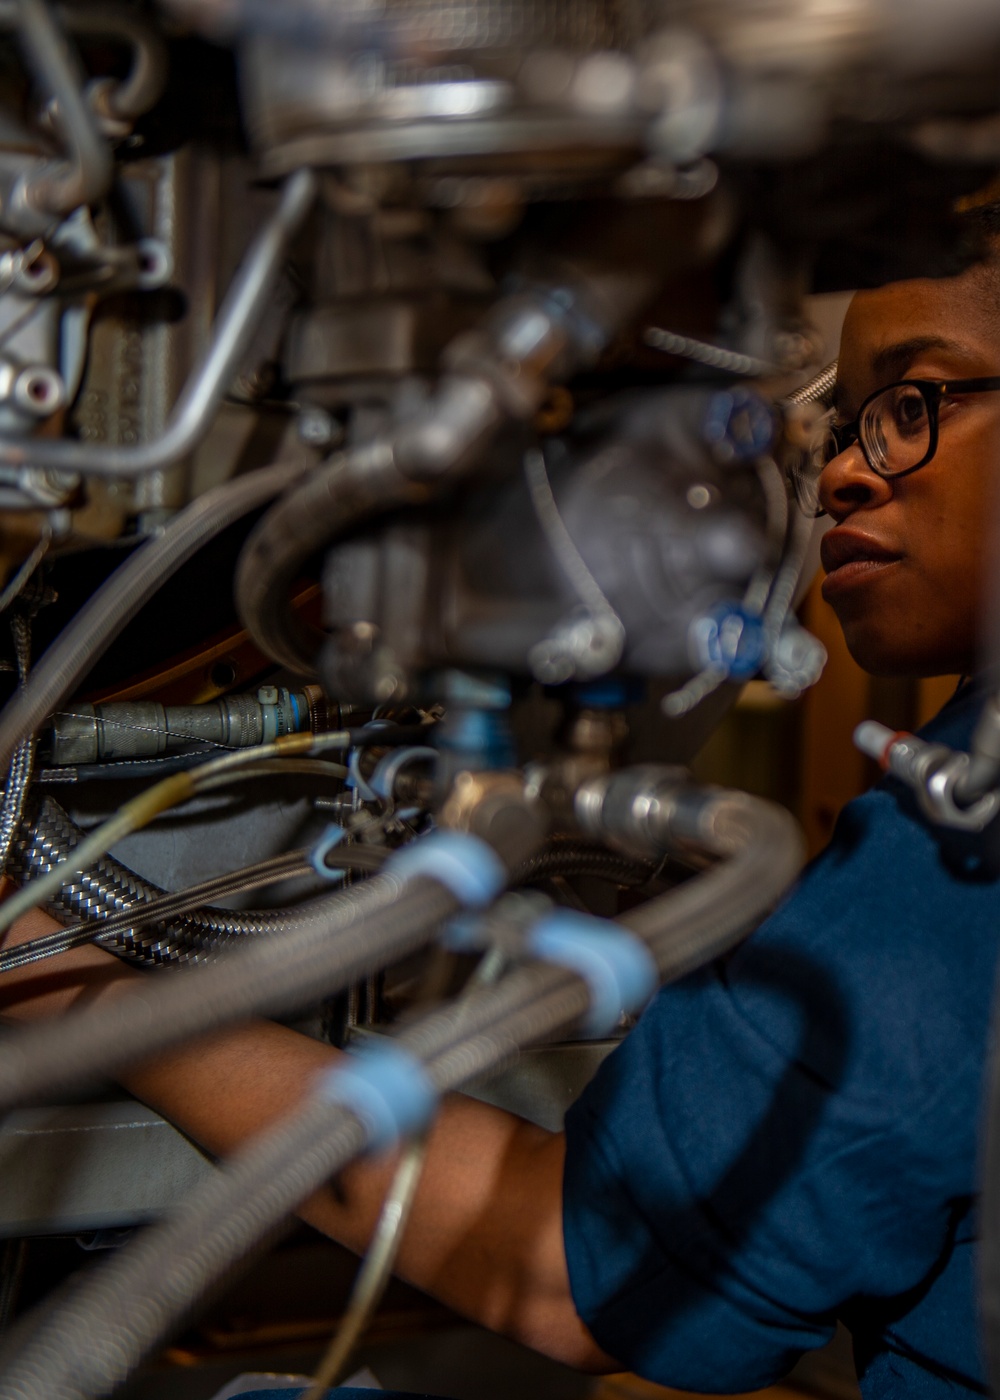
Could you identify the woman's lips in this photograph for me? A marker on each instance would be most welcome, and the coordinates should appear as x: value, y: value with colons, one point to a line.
x: 852, y: 560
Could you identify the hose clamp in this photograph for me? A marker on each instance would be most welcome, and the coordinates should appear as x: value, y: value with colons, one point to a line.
x: 386, y: 1087
x: 617, y: 967
x: 464, y: 864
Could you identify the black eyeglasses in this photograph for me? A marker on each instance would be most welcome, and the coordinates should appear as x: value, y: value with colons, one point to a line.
x: 896, y: 429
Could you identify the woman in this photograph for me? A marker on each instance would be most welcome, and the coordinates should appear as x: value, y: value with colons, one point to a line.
x: 789, y: 1137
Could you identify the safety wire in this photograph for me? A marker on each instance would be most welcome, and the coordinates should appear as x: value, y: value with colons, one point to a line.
x: 378, y: 1263
x: 167, y: 794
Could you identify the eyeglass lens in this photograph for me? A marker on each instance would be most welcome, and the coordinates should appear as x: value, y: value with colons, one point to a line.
x: 895, y: 429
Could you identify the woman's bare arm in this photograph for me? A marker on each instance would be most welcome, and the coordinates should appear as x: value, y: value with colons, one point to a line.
x: 485, y: 1235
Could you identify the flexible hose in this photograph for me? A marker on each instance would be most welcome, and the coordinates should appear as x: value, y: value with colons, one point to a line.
x: 332, y: 942
x: 91, y: 1343
x: 117, y: 601
x: 19, y: 774
x: 235, y: 766
x: 136, y: 920
x: 337, y: 497
x: 816, y: 390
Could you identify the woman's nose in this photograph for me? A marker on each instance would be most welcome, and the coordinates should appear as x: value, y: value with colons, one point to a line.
x: 847, y: 483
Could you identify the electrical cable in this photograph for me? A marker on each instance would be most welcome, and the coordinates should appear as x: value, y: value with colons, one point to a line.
x: 118, y: 600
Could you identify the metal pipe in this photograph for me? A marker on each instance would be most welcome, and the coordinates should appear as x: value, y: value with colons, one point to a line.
x: 59, y: 189
x: 122, y: 99
x: 232, y: 334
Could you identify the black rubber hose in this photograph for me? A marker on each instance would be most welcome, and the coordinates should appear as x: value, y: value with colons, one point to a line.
x: 337, y: 497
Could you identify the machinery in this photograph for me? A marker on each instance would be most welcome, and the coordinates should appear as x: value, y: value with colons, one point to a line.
x: 442, y: 372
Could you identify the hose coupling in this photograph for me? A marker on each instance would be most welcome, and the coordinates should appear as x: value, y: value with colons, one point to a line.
x: 935, y: 774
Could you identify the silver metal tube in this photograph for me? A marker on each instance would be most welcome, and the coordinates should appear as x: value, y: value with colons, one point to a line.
x: 192, y: 415
x: 58, y: 189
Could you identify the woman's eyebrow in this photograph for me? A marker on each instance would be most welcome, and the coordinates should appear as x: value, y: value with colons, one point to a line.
x: 892, y: 361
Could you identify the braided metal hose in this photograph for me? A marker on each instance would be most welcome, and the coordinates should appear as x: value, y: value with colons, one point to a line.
x: 569, y: 857
x: 15, y: 793
x: 817, y: 389
x: 109, y: 887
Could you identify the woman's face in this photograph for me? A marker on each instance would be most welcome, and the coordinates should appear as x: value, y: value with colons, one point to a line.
x: 906, y: 561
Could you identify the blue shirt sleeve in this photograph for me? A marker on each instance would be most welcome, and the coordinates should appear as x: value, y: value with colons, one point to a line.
x: 793, y: 1128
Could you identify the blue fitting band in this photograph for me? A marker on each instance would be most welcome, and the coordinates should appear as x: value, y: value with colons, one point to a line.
x: 355, y: 778
x: 386, y: 1087
x: 383, y: 781
x: 331, y: 838
x: 468, y: 867
x: 617, y: 967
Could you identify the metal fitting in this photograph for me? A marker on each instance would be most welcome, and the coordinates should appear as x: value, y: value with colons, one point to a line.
x: 933, y: 772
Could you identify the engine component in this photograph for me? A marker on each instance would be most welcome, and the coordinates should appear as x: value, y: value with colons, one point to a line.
x: 515, y: 310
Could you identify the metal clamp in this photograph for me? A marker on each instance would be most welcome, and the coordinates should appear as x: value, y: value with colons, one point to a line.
x: 464, y: 864
x: 617, y: 967
x: 386, y: 1087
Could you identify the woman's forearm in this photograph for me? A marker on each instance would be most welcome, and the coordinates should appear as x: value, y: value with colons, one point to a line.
x: 485, y: 1234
